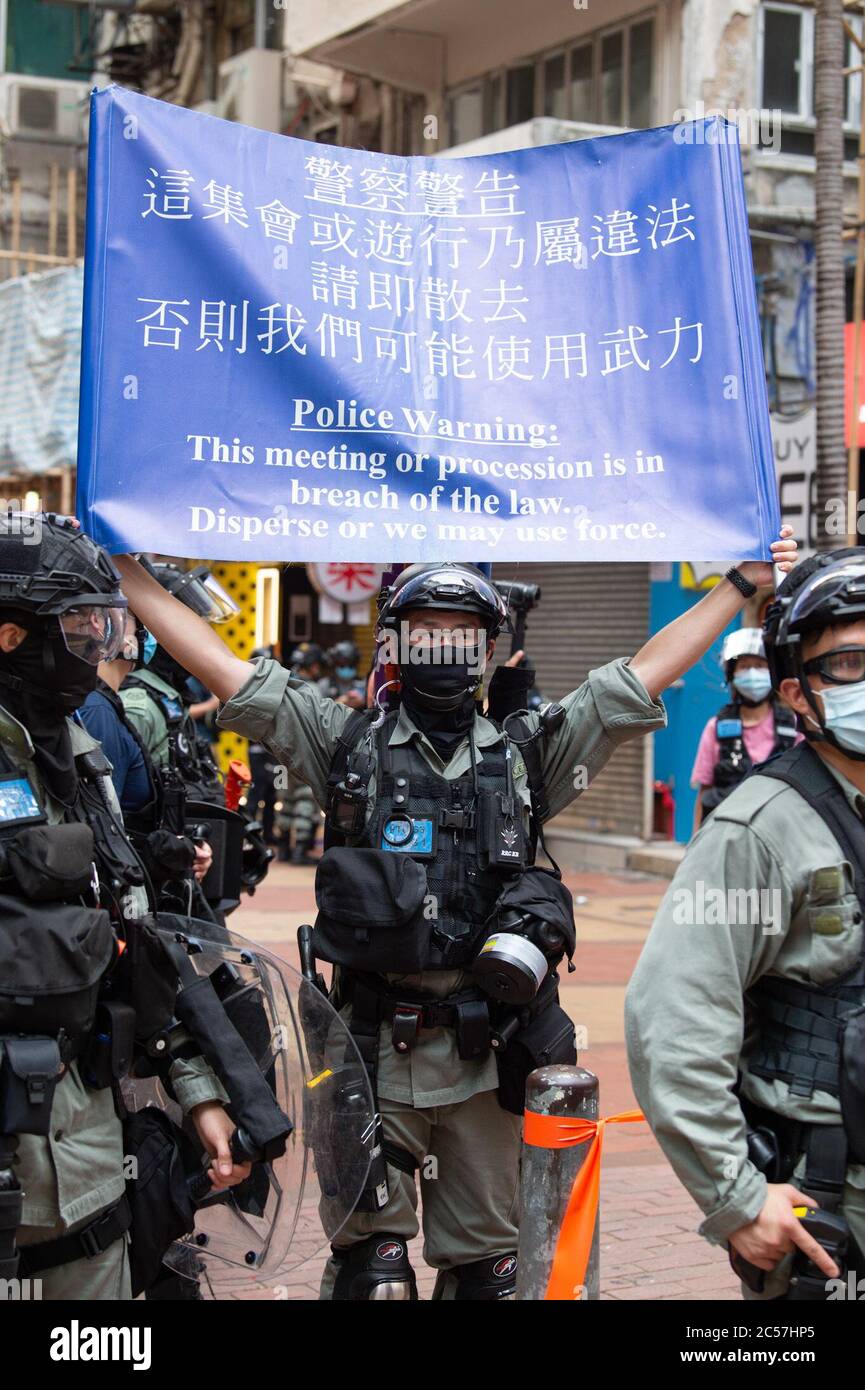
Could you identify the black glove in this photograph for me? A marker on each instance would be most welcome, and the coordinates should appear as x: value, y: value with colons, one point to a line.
x: 509, y: 690
x: 168, y: 856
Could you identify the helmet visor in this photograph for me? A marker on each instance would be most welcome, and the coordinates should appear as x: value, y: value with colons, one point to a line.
x: 93, y: 633
x: 206, y: 597
x: 839, y: 591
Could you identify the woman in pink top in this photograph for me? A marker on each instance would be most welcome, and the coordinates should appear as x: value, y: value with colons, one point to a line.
x: 747, y: 731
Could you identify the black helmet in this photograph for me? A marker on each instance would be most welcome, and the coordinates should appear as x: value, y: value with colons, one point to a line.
x: 447, y: 585
x: 51, y: 570
x: 306, y: 654
x: 197, y: 589
x: 344, y: 653
x: 824, y: 589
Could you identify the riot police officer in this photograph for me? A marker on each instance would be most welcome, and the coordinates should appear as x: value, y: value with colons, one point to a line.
x: 744, y: 1019
x: 155, y: 694
x: 444, y: 931
x: 344, y: 683
x: 747, y: 730
x: 71, y: 888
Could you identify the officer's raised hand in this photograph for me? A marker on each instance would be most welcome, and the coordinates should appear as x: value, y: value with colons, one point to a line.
x: 777, y: 1231
x: 215, y: 1128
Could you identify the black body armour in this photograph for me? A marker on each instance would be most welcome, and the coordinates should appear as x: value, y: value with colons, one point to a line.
x: 813, y: 1036
x: 468, y: 832
x: 734, y: 761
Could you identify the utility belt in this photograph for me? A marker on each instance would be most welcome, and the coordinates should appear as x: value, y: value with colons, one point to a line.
x: 467, y: 1012
x: 92, y: 1240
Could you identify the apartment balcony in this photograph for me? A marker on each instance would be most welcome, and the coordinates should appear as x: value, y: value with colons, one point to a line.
x: 543, y: 130
x: 425, y: 45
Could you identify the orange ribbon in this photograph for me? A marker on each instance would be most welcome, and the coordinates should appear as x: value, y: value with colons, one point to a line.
x: 571, y: 1258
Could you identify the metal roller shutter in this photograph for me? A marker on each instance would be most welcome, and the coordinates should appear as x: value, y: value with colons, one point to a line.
x: 588, y: 615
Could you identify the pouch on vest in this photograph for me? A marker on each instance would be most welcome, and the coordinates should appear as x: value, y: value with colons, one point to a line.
x: 548, y: 1038
x: 52, y: 960
x: 852, y: 1090
x: 52, y: 863
x: 371, y: 911
x: 158, y: 1195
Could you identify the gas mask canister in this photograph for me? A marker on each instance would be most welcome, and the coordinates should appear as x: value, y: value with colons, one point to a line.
x: 529, y: 931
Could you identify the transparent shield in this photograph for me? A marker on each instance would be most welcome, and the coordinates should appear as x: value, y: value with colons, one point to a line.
x: 291, y: 1206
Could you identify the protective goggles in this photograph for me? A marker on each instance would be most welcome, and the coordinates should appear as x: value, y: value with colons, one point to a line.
x: 93, y: 633
x: 841, y: 666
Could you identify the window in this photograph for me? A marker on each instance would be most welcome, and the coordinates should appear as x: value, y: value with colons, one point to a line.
x: 787, y: 74
x: 612, y: 66
x: 555, y: 91
x: 640, y: 75
x: 582, y: 86
x: 604, y: 80
x: 466, y: 115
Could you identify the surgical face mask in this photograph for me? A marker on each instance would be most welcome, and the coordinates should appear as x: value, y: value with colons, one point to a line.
x: 150, y: 645
x: 346, y: 673
x: 755, y: 684
x: 844, y: 714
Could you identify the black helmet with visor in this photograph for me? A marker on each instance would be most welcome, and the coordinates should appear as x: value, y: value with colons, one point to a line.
x: 51, y: 572
x: 826, y: 590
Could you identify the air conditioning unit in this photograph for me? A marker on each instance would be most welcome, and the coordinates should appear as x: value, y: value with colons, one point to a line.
x: 43, y: 108
x: 250, y: 88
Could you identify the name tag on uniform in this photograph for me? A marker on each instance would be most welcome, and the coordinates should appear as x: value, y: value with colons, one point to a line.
x: 408, y: 835
x: 18, y: 803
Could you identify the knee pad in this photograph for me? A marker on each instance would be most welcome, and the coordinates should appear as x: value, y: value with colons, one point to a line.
x: 483, y: 1280
x: 375, y: 1269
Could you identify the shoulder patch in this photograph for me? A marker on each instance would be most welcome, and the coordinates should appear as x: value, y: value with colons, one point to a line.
x: 752, y: 798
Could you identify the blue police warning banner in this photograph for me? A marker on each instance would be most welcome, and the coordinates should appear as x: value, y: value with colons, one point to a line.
x: 295, y: 352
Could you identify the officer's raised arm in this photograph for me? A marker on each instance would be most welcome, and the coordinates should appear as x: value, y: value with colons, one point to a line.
x: 678, y: 646
x: 189, y: 639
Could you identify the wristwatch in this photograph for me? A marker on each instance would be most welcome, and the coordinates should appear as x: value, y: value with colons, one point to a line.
x: 741, y: 583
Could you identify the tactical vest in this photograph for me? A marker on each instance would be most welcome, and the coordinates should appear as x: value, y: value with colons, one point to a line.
x: 468, y: 832
x: 56, y: 882
x: 193, y: 763
x: 734, y: 761
x: 813, y: 1036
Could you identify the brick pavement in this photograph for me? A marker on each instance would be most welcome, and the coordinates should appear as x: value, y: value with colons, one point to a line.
x: 649, y: 1245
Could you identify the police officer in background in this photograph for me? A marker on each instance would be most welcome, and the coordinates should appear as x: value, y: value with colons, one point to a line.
x: 138, y: 781
x: 156, y: 697
x: 745, y: 1021
x: 69, y: 878
x: 344, y: 683
x: 298, y: 818
x: 752, y: 726
x: 444, y: 931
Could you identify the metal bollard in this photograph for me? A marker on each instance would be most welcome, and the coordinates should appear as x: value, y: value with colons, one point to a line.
x: 547, y: 1177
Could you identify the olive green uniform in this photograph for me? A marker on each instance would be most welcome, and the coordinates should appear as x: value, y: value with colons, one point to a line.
x: 77, y: 1170
x: 685, y: 1010
x: 142, y: 710
x: 434, y: 1104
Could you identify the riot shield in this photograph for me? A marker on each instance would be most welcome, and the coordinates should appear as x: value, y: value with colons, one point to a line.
x: 317, y: 1103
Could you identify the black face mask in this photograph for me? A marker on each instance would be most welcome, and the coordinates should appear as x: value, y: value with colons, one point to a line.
x: 53, y: 684
x: 440, y: 686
